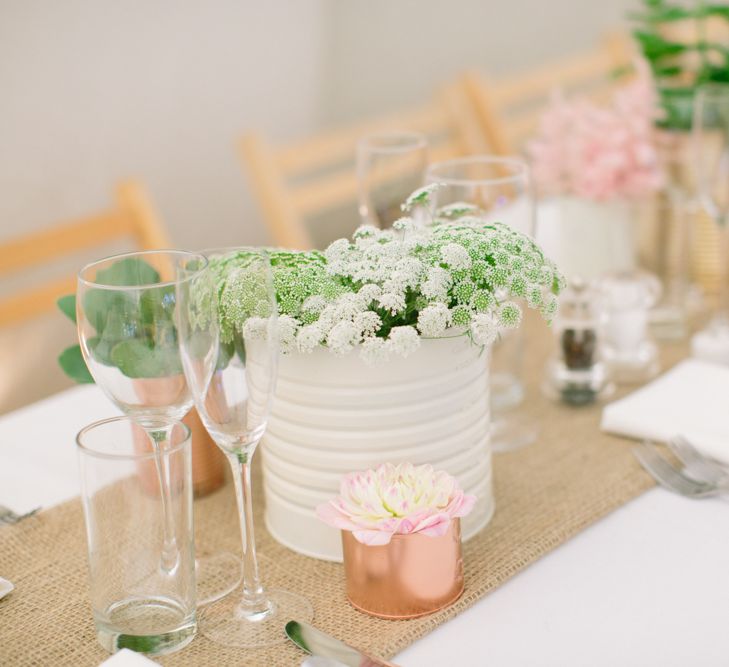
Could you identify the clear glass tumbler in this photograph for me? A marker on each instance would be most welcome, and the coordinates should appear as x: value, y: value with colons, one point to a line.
x: 500, y: 190
x: 390, y: 165
x: 140, y: 535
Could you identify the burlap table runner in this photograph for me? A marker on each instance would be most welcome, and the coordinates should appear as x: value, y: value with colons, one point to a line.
x: 545, y: 494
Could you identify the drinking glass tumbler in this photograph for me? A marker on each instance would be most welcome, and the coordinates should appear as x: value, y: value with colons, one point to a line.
x: 500, y: 190
x: 140, y: 539
x: 390, y: 165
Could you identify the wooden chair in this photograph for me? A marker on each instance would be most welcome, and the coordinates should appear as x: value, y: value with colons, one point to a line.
x: 509, y: 107
x: 131, y: 216
x: 294, y: 184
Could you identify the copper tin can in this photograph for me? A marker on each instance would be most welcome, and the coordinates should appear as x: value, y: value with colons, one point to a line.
x: 412, y: 576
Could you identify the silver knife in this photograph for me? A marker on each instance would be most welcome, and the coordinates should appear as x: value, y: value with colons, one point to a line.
x: 319, y: 643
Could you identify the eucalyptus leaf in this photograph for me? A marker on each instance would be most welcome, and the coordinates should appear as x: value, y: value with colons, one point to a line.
x: 128, y: 272
x: 157, y: 304
x: 72, y: 362
x: 67, y: 305
x: 136, y: 359
x: 99, y: 305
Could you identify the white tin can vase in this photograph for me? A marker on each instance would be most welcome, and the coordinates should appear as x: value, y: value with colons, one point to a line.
x: 335, y: 414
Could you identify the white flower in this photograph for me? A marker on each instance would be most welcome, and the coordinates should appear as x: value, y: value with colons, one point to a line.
x: 328, y: 318
x: 392, y: 302
x: 456, y: 210
x: 484, y: 329
x: 403, y: 340
x: 365, y: 232
x: 367, y: 323
x: 509, y: 315
x: 374, y: 350
x: 368, y: 293
x: 404, y: 224
x: 343, y: 337
x: 411, y: 271
x: 309, y: 337
x: 314, y: 304
x: 420, y: 197
x: 337, y: 250
x: 434, y: 320
x: 287, y: 327
x: 437, y: 284
x: 255, y: 328
x: 456, y: 256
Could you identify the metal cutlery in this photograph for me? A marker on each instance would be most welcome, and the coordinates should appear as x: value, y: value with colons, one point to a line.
x: 697, y: 465
x: 7, y: 516
x: 322, y: 645
x: 675, y: 479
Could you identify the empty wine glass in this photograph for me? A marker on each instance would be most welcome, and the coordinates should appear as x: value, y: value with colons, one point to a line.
x: 498, y: 189
x: 125, y: 308
x: 228, y: 337
x: 390, y: 165
x: 711, y: 162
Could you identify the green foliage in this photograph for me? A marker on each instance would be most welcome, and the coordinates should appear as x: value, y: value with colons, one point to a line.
x: 72, y: 363
x: 67, y: 305
x: 135, y: 329
x: 668, y: 59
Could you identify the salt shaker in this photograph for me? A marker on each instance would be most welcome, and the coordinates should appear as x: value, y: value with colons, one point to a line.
x: 628, y: 349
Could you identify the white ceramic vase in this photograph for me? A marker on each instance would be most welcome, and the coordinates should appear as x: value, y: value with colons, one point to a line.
x: 336, y: 414
x: 587, y: 238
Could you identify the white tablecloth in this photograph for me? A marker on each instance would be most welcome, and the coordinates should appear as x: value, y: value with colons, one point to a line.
x: 648, y: 585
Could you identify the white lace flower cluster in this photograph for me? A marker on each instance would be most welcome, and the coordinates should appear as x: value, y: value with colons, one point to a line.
x: 384, y: 290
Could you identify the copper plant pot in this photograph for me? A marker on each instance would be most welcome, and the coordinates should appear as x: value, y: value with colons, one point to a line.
x: 208, y: 462
x: 412, y: 576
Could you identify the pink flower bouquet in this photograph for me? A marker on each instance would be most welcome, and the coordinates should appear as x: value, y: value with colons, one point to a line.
x: 396, y: 500
x: 599, y: 152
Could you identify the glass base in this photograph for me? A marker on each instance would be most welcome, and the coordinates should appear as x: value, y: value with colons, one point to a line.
x: 216, y: 576
x: 511, y: 431
x: 229, y: 623
x: 151, y: 625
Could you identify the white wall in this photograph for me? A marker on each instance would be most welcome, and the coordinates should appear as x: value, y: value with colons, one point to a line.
x: 387, y: 53
x: 92, y: 91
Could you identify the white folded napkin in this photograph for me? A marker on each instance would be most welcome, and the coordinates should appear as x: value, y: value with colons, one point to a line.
x: 127, y: 658
x: 692, y: 399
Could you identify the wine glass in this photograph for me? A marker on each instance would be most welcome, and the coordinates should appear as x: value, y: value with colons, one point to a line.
x: 499, y: 190
x: 125, y: 317
x: 390, y: 165
x: 228, y: 337
x: 710, y: 141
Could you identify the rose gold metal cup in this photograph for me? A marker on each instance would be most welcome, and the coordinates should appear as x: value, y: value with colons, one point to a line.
x: 412, y: 576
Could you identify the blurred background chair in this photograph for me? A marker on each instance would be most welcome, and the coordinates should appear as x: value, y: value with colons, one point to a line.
x: 307, y: 191
x: 508, y: 108
x: 38, y: 268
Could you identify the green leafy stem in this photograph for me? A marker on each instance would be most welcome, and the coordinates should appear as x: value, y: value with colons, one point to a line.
x: 676, y: 82
x: 134, y: 329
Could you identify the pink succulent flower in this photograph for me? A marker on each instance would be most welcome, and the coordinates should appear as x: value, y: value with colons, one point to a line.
x: 396, y: 500
x: 599, y: 153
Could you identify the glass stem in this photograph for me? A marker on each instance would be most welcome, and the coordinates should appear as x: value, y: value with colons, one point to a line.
x: 170, y: 552
x: 254, y: 600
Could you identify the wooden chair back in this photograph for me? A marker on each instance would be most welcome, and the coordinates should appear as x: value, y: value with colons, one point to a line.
x: 294, y: 184
x: 509, y: 107
x: 131, y: 216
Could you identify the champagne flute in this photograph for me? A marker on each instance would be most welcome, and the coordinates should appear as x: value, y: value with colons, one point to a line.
x: 710, y: 139
x: 390, y: 165
x: 496, y: 189
x: 228, y: 337
x: 125, y: 317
